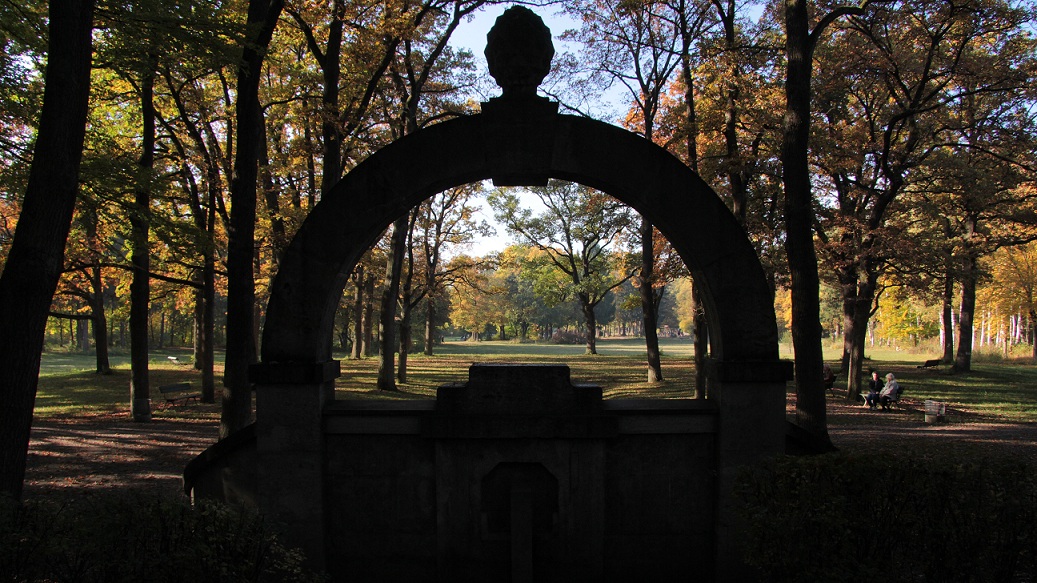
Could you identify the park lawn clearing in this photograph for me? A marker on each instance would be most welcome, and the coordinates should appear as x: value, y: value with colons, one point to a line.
x: 83, y: 436
x: 619, y: 368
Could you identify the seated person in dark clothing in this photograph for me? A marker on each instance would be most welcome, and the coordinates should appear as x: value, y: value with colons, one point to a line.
x: 828, y: 376
x: 874, y: 387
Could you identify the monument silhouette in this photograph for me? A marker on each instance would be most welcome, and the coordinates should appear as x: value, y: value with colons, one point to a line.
x: 517, y: 474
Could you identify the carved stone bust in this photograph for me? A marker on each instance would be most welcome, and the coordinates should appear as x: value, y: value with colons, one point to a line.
x: 519, y: 52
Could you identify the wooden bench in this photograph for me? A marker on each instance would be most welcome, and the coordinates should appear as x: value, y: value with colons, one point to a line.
x: 931, y: 363
x: 178, y: 392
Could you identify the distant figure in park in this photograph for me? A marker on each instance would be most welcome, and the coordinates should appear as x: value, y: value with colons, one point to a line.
x: 889, y: 393
x: 828, y: 376
x: 874, y: 387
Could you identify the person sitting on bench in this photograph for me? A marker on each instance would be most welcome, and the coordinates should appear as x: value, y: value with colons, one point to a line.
x: 874, y: 386
x: 890, y: 393
x: 828, y: 376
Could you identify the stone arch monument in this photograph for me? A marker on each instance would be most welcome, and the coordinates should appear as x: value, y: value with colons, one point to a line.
x: 423, y: 489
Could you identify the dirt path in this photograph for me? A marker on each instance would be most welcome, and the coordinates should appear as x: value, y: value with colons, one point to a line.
x: 112, y: 452
x: 963, y: 435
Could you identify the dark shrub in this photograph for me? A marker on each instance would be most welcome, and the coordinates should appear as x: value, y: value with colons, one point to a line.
x: 124, y: 538
x: 881, y: 518
x: 568, y: 337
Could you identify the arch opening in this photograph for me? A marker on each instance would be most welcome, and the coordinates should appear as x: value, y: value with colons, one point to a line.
x: 515, y: 147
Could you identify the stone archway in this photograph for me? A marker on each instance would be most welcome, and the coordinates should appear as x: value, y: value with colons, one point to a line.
x: 302, y: 438
x: 519, y: 143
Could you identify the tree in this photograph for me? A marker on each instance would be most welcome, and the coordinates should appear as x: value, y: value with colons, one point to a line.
x: 412, y: 73
x: 34, y: 262
x: 1015, y: 270
x: 800, y: 42
x: 443, y: 221
x: 884, y: 116
x: 236, y: 411
x: 575, y: 232
x: 636, y: 45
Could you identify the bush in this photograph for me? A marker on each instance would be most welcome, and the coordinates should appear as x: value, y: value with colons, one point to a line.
x: 568, y: 337
x: 140, y: 538
x: 880, y: 518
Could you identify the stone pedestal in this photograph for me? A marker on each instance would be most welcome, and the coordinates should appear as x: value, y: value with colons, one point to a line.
x: 520, y: 473
x: 751, y: 430
x: 290, y: 450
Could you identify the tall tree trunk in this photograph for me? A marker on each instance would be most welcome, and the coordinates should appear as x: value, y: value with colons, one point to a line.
x: 407, y: 302
x: 208, y: 329
x: 947, y: 315
x: 369, y: 315
x: 857, y: 299
x: 36, y: 256
x: 99, y: 322
x: 691, y: 144
x: 390, y: 296
x: 330, y: 129
x: 430, y: 323
x: 358, y: 312
x: 967, y: 313
x: 140, y: 286
x: 855, y: 334
x: 405, y: 340
x: 649, y: 305
x: 236, y: 405
x: 1032, y: 333
x: 733, y: 162
x: 701, y: 342
x: 799, y: 220
x: 591, y: 321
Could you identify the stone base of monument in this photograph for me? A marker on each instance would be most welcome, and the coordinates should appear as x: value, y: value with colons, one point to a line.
x: 519, y: 475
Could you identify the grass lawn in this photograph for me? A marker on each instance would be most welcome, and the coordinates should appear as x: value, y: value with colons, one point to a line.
x: 1005, y: 392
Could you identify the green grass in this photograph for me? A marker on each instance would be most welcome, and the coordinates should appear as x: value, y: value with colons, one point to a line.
x: 70, y: 387
x: 994, y: 391
x: 619, y: 367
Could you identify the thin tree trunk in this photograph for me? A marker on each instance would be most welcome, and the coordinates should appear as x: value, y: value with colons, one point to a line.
x: 358, y: 312
x: 36, y: 255
x: 140, y: 286
x: 948, y: 317
x: 592, y: 324
x: 649, y: 305
x: 966, y: 317
x: 208, y: 340
x: 390, y: 296
x: 701, y: 343
x: 1033, y: 334
x: 368, y: 350
x: 98, y: 321
x: 430, y: 326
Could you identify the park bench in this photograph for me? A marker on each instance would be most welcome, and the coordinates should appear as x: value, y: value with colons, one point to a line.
x: 931, y: 363
x: 178, y: 392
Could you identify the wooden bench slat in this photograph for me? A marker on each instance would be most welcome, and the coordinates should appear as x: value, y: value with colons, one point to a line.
x: 175, y: 392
